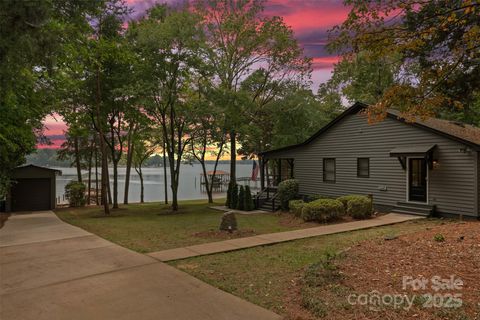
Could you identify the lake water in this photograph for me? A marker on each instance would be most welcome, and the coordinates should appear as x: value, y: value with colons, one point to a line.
x: 153, y: 181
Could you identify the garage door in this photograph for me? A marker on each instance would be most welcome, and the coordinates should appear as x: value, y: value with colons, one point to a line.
x: 31, y: 195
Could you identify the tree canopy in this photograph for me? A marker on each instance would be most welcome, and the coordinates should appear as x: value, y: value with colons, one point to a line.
x: 434, y: 42
x: 35, y: 38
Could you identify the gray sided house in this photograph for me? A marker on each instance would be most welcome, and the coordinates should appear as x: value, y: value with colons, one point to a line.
x: 421, y: 167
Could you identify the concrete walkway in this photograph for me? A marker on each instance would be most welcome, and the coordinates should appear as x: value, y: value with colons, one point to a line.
x: 52, y: 270
x: 272, y: 238
x: 226, y: 209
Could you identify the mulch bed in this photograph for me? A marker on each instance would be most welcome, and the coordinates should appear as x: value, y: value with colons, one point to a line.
x: 289, y: 220
x: 381, y: 265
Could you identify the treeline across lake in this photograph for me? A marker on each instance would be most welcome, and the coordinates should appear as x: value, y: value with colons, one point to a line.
x: 49, y: 158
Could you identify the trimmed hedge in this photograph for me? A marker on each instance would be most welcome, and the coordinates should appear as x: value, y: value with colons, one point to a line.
x: 357, y: 206
x: 249, y: 205
x: 234, y: 197
x: 360, y: 208
x: 296, y: 207
x: 323, y: 210
x: 313, y: 197
x: 345, y: 199
x: 75, y: 193
x: 241, y: 199
x: 287, y: 190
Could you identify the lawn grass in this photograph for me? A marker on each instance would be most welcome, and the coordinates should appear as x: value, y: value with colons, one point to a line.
x: 150, y: 227
x: 265, y: 275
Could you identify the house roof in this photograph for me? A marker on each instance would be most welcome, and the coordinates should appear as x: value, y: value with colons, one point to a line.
x: 456, y: 129
x: 463, y: 133
x: 59, y: 172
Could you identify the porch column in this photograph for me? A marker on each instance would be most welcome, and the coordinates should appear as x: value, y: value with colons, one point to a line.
x: 267, y: 175
x: 279, y: 166
x: 262, y: 172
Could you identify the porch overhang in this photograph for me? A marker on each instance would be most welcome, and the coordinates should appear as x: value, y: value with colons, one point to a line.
x: 420, y: 151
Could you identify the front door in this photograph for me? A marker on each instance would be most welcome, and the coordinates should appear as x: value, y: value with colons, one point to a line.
x: 417, y: 180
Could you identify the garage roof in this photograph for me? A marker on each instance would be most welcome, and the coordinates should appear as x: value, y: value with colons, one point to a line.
x: 59, y: 172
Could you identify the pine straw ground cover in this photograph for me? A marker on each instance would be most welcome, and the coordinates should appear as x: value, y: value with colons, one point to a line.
x: 377, y: 268
x: 312, y: 278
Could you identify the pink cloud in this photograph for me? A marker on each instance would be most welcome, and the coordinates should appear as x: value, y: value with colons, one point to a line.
x: 325, y: 62
x: 54, y: 125
x: 308, y: 15
x: 310, y: 20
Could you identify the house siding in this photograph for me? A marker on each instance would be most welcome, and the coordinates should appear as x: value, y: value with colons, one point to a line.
x: 452, y: 186
x: 478, y: 184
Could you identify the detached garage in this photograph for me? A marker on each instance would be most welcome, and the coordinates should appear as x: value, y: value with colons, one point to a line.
x: 33, y: 189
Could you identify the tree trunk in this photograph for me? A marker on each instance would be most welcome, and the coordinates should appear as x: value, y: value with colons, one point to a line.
x: 210, y: 192
x: 140, y: 175
x: 103, y: 149
x: 173, y: 182
x: 77, y: 159
x: 165, y: 180
x: 129, y: 165
x: 90, y: 172
x: 109, y: 188
x: 233, y: 156
x: 174, y: 195
x: 115, y: 167
x: 207, y: 183
x: 115, y: 185
x: 97, y: 200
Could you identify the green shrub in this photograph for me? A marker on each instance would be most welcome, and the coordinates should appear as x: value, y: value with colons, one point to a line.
x: 249, y: 206
x: 344, y: 199
x: 75, y: 193
x: 322, y: 210
x: 313, y: 197
x: 287, y: 190
x: 439, y: 237
x: 357, y: 206
x: 360, y: 208
x: 296, y: 207
x: 234, y: 197
x: 241, y: 199
x: 228, y: 202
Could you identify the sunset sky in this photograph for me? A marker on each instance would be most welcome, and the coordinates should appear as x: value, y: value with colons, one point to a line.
x: 309, y: 19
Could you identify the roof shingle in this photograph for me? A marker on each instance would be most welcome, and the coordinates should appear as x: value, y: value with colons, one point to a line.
x: 457, y: 129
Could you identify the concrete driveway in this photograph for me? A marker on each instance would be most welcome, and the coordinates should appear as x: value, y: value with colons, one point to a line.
x: 52, y: 270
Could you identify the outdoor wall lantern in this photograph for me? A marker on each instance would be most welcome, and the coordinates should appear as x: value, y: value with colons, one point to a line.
x: 465, y: 150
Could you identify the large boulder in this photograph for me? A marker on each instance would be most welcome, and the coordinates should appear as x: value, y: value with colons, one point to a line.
x: 229, y: 222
